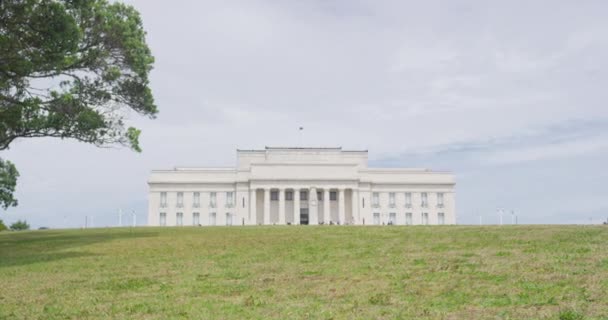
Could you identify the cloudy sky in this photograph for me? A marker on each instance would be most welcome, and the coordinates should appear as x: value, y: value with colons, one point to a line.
x: 510, y: 95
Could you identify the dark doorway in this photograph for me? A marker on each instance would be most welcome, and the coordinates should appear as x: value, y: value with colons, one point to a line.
x: 304, y: 216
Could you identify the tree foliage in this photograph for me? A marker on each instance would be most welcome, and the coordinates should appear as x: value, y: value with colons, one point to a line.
x: 20, y: 225
x: 2, y: 226
x: 72, y: 69
x: 8, y: 182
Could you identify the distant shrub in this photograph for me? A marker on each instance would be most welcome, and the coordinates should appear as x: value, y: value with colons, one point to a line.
x: 20, y: 225
x: 570, y: 315
x: 2, y: 226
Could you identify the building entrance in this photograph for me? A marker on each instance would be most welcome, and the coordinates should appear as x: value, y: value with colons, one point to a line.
x: 304, y: 216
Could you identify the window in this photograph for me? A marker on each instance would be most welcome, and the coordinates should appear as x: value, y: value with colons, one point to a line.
x: 408, y: 218
x: 228, y: 219
x: 212, y: 218
x: 424, y: 200
x: 440, y: 200
x: 196, y: 219
x: 408, y: 199
x: 274, y: 196
x: 289, y: 195
x: 243, y: 202
x: 304, y: 195
x: 196, y: 199
x: 180, y: 199
x: 179, y: 219
x: 212, y: 200
x: 440, y: 218
x: 363, y: 202
x: 375, y: 199
x: 425, y: 218
x: 376, y: 218
x: 333, y: 196
x: 320, y: 195
x: 163, y: 199
x: 391, y: 199
x: 229, y: 199
x: 392, y: 218
x: 163, y: 219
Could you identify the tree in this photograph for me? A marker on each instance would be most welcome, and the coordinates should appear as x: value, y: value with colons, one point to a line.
x: 20, y: 225
x: 8, y: 182
x: 72, y: 69
x: 2, y: 226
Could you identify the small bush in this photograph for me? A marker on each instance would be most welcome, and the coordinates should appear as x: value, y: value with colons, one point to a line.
x: 2, y: 226
x: 570, y: 315
x: 20, y: 225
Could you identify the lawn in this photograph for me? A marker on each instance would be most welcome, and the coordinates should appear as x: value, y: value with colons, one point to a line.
x: 306, y: 272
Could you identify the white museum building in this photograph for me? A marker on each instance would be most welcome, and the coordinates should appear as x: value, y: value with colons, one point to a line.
x: 278, y: 186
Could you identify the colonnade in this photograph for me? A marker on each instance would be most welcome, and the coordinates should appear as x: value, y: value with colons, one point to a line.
x: 312, y: 201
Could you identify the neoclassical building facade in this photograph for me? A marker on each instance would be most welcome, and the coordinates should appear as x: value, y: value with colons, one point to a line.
x: 278, y: 186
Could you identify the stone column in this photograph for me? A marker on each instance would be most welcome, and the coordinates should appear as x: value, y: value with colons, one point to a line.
x: 253, y: 214
x: 281, y: 206
x: 355, y: 206
x: 341, y: 202
x: 266, y: 206
x: 326, y: 207
x: 296, y: 206
x: 313, y: 212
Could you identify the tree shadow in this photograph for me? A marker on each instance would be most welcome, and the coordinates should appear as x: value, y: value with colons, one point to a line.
x: 23, y: 248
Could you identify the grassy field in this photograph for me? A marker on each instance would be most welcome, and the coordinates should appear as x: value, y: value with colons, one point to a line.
x: 324, y: 272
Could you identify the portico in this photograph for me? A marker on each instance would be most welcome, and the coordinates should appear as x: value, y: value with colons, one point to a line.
x: 282, y: 205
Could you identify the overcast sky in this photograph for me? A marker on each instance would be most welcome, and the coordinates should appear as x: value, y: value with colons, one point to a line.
x: 510, y: 95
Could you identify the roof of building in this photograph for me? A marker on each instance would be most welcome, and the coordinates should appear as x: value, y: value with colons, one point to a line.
x: 267, y: 148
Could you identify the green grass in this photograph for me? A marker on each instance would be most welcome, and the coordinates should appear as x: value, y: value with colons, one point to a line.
x: 299, y: 272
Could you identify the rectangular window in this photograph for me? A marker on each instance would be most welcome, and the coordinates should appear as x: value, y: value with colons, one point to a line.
x: 212, y: 218
x: 179, y: 219
x: 391, y: 199
x: 163, y: 199
x: 440, y: 200
x: 243, y: 202
x: 425, y: 218
x: 408, y: 199
x: 408, y: 218
x: 212, y: 200
x: 392, y: 218
x: 377, y: 218
x: 229, y: 199
x: 196, y: 219
x: 289, y: 195
x: 274, y: 196
x: 163, y: 219
x: 196, y: 199
x: 320, y: 195
x: 180, y: 199
x: 304, y: 195
x: 440, y: 218
x: 363, y: 202
x: 333, y: 196
x: 424, y: 200
x: 228, y: 219
x: 375, y: 199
